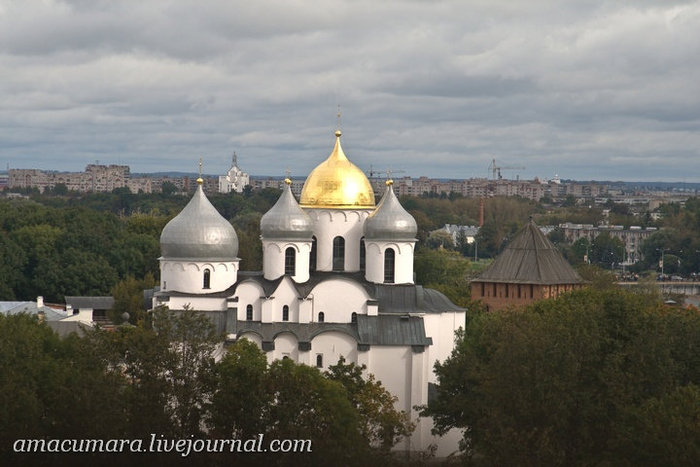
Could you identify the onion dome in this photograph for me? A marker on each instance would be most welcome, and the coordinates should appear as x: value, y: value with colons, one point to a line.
x: 286, y: 220
x: 390, y: 221
x: 337, y: 183
x: 199, y: 232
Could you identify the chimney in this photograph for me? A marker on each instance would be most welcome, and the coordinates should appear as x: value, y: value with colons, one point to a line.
x: 481, y: 212
x: 39, y: 301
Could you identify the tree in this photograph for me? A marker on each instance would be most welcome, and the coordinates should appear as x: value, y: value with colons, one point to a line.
x: 380, y: 423
x: 606, y: 251
x: 241, y: 397
x: 553, y: 384
x: 128, y: 298
x: 168, y: 188
x: 192, y: 339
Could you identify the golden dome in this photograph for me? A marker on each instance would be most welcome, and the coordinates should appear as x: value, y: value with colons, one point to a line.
x: 337, y: 183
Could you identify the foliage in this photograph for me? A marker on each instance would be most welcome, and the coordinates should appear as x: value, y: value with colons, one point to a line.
x: 380, y: 423
x: 569, y: 381
x: 445, y: 271
x: 160, y: 377
x: 128, y: 298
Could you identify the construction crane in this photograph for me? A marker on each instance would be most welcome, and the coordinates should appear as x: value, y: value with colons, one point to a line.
x: 378, y: 173
x: 496, y: 170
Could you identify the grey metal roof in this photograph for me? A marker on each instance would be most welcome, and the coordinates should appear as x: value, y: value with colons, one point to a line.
x: 96, y: 303
x: 392, y: 330
x: 30, y: 308
x: 530, y: 259
x: 390, y: 221
x: 286, y: 220
x: 371, y: 330
x: 199, y: 232
x: 411, y: 298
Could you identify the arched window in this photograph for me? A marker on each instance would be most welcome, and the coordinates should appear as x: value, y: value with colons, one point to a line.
x: 290, y: 261
x: 389, y: 264
x: 312, y: 255
x: 249, y: 312
x: 321, y: 317
x: 353, y: 317
x: 319, y: 360
x: 339, y: 254
x: 362, y: 254
x: 207, y: 279
x: 285, y: 313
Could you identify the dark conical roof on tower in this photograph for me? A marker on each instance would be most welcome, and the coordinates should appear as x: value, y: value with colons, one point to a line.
x: 530, y: 258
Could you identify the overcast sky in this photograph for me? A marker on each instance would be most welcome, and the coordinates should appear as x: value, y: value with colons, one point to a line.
x: 590, y: 89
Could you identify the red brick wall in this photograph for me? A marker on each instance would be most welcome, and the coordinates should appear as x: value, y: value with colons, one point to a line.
x: 500, y: 295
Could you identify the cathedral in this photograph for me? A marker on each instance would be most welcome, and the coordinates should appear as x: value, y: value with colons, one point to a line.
x: 337, y: 281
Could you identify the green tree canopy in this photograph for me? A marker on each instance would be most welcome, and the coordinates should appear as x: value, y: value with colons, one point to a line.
x: 566, y: 381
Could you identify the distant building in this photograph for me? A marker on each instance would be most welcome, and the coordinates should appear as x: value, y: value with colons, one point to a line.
x: 529, y: 269
x: 96, y: 178
x: 632, y: 238
x: 56, y: 317
x: 234, y: 180
x: 89, y: 309
x: 455, y: 231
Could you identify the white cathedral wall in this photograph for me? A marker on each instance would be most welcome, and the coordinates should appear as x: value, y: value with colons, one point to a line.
x: 286, y: 345
x: 374, y: 261
x: 338, y: 299
x: 197, y: 303
x: 188, y: 276
x: 442, y: 327
x: 331, y: 223
x: 331, y: 346
x: 249, y: 293
x: 274, y: 259
x: 285, y: 294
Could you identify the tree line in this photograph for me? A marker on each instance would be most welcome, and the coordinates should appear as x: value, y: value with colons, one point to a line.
x: 595, y: 377
x: 161, y: 379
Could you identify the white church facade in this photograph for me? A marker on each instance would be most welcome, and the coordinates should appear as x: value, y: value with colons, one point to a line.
x: 235, y: 179
x: 337, y: 280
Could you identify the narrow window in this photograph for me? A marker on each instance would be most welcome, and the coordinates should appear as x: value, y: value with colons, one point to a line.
x: 506, y: 290
x: 290, y: 260
x: 285, y: 313
x: 362, y: 254
x: 249, y: 312
x: 312, y: 255
x: 353, y: 317
x: 338, y: 254
x: 519, y: 293
x: 389, y: 263
x: 532, y: 291
x: 321, y: 317
x: 494, y: 289
x: 483, y: 289
x: 319, y: 360
x: 207, y: 278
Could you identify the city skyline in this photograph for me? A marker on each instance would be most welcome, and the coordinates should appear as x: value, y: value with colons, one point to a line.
x: 593, y: 91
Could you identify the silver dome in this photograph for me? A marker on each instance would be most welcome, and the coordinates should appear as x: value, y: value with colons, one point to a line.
x: 390, y: 221
x: 286, y: 220
x: 199, y: 232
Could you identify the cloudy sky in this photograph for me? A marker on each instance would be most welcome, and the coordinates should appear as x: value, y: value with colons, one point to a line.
x: 588, y: 89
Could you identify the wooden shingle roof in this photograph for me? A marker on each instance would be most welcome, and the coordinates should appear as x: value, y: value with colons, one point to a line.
x: 530, y: 258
